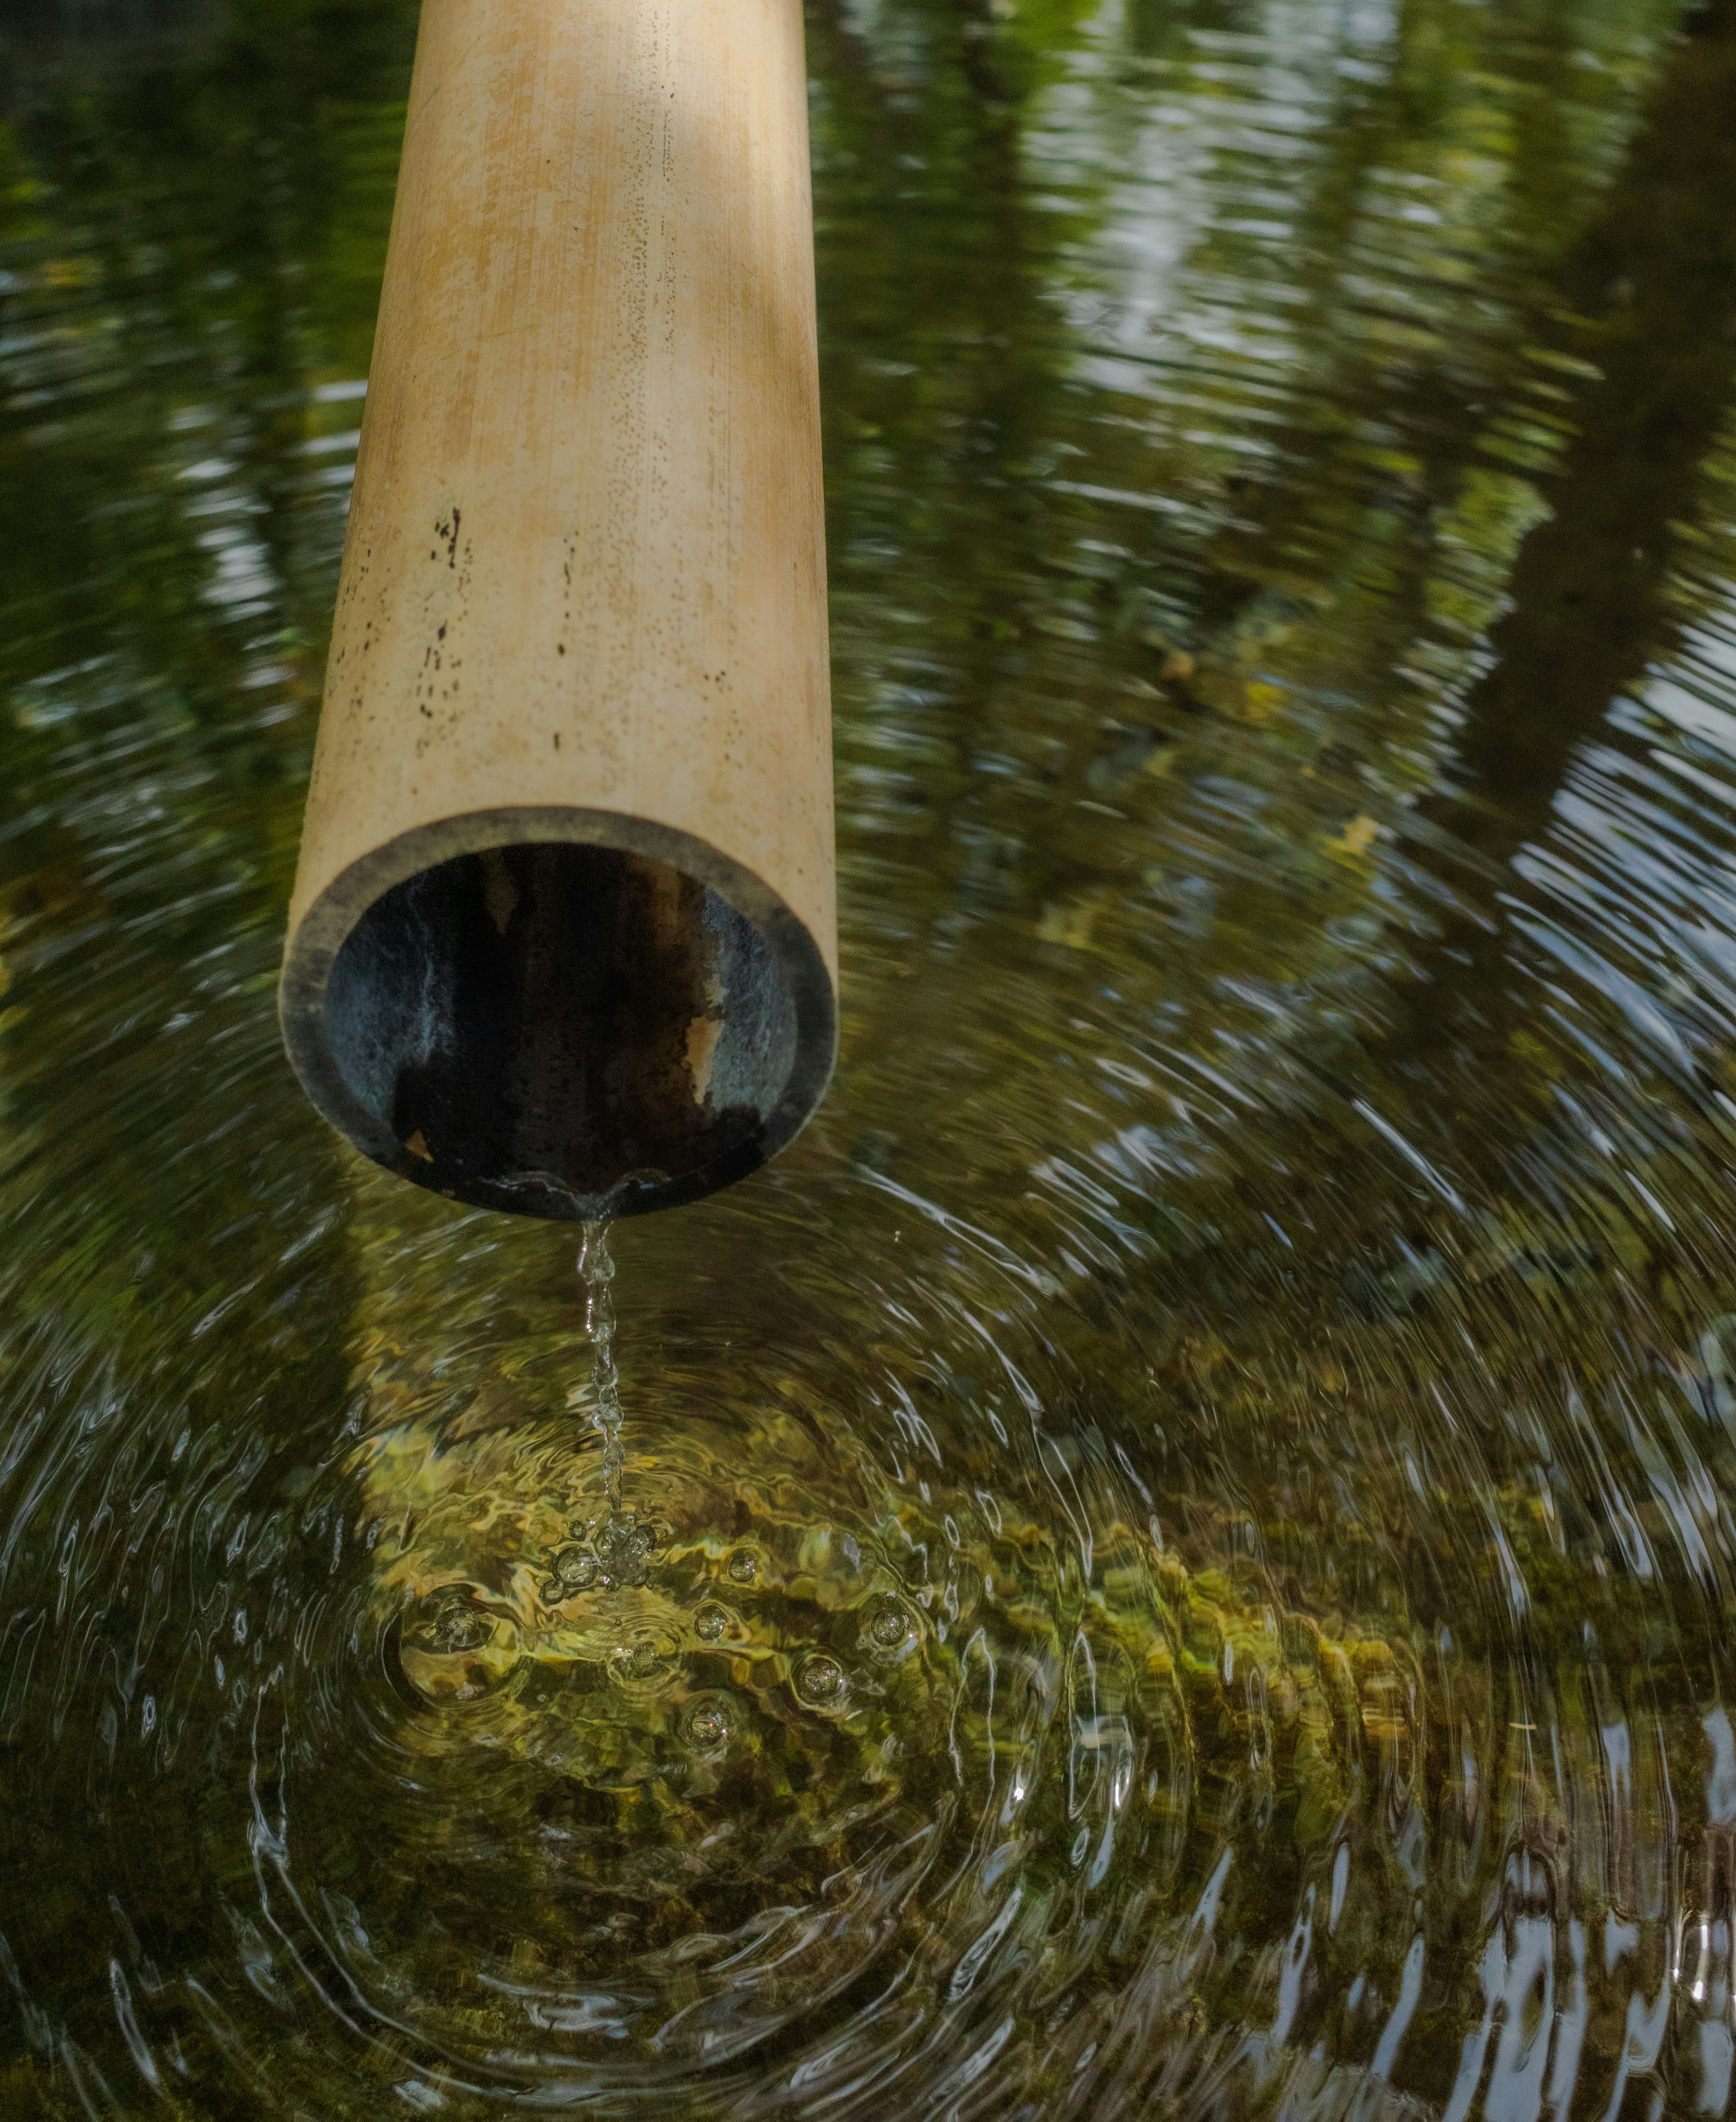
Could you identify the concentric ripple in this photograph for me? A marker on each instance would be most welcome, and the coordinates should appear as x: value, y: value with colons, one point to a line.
x: 1172, y: 1561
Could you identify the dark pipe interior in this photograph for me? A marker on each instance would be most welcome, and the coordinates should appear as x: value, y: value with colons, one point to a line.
x: 536, y: 1024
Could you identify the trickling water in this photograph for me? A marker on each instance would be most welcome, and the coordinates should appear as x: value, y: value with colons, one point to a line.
x: 597, y: 1269
x: 612, y: 1552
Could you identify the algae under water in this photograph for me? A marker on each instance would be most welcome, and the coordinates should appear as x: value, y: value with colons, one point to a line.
x: 1182, y: 1537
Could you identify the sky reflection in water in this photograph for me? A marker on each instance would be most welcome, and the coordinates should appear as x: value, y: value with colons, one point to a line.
x: 1187, y: 1524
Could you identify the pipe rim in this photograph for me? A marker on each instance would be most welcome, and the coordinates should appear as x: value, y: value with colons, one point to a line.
x: 325, y: 926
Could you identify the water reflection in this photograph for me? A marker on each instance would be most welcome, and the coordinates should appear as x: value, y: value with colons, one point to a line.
x: 1186, y: 1526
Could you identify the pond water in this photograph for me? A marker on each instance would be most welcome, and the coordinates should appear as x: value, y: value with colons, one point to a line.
x: 1175, y: 1553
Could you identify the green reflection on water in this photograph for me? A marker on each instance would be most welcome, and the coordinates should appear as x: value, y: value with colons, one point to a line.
x: 1255, y: 1312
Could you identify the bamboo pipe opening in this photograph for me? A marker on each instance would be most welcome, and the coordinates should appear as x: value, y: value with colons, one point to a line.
x: 557, y: 1026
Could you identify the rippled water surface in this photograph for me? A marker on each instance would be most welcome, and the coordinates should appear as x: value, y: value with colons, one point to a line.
x: 1175, y: 1555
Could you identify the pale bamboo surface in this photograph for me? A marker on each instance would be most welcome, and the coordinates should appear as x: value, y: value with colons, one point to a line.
x: 585, y: 578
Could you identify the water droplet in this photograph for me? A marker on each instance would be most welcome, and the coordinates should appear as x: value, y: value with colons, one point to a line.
x: 712, y: 1625
x: 709, y: 1725
x: 743, y: 1567
x: 821, y: 1681
x: 576, y: 1570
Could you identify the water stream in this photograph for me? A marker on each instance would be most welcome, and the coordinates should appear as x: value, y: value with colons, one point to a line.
x: 597, y: 1269
x: 1173, y: 1557
x: 610, y: 1553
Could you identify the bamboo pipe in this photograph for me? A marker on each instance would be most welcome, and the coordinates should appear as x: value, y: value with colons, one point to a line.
x: 563, y: 935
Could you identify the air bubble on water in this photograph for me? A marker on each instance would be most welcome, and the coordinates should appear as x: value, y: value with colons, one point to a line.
x: 623, y: 1549
x: 447, y: 1625
x: 612, y: 1556
x: 821, y: 1681
x: 635, y: 1664
x: 743, y: 1567
x: 709, y: 1724
x: 712, y: 1624
x: 887, y: 1627
x: 575, y: 1568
